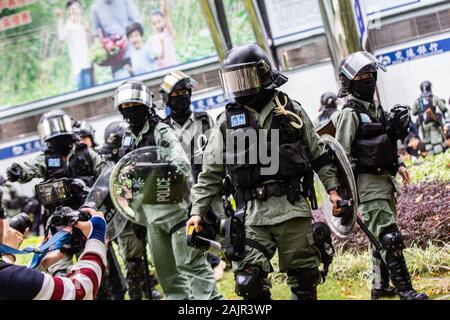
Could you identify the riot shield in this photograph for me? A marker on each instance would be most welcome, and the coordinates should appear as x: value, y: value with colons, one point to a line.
x: 146, y: 183
x: 99, y: 196
x: 342, y: 226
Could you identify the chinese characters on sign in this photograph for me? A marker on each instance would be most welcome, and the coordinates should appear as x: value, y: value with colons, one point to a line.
x: 16, y: 19
x: 416, y: 52
x: 209, y: 103
x: 20, y: 149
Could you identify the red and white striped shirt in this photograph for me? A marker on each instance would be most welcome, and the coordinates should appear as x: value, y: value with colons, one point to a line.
x: 81, y: 283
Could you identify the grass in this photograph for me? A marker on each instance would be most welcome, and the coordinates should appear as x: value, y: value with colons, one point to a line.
x: 349, y: 276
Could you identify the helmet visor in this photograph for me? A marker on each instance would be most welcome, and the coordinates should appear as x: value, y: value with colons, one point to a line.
x: 54, y: 127
x: 240, y: 80
x: 358, y: 61
x: 132, y: 92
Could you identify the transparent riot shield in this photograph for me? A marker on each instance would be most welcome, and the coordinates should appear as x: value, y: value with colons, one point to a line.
x: 99, y: 196
x: 146, y: 184
x: 343, y: 225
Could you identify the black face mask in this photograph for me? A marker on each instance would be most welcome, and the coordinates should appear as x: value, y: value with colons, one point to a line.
x: 180, y: 107
x: 364, y: 89
x: 136, y: 117
x: 62, y: 145
x: 256, y: 102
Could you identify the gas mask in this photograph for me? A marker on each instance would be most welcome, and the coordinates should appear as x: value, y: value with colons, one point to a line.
x: 136, y: 117
x: 257, y: 101
x: 364, y: 89
x: 62, y: 145
x: 180, y: 107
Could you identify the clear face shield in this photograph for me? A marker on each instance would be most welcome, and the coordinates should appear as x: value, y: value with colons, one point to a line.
x: 132, y: 93
x: 358, y: 61
x: 55, y: 126
x: 240, y: 80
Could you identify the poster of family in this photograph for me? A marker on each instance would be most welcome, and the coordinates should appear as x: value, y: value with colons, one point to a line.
x: 59, y: 46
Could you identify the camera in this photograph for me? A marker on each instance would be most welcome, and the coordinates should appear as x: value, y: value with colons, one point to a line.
x: 54, y: 192
x: 66, y: 216
x: 21, y: 222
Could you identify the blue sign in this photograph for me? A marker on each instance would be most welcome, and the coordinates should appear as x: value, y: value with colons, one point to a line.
x: 20, y: 149
x: 416, y: 52
x: 208, y: 103
x: 361, y: 21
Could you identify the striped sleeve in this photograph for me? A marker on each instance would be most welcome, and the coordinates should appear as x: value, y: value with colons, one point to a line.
x: 83, y: 280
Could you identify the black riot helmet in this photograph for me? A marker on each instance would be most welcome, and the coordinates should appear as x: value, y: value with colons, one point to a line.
x: 55, y: 124
x: 55, y: 129
x: 132, y: 91
x: 358, y: 75
x: 114, y: 134
x: 134, y: 101
x: 328, y: 100
x: 246, y: 71
x: 174, y: 81
x: 426, y: 87
x: 84, y: 129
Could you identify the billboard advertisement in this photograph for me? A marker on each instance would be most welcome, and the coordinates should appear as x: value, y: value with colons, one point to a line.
x: 54, y: 47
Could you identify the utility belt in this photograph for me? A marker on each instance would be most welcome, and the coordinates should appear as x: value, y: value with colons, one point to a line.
x: 294, y: 189
x: 274, y: 189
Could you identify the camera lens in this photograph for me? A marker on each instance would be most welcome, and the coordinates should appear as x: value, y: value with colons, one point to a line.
x: 20, y: 222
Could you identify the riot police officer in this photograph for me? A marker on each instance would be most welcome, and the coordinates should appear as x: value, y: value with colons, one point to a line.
x: 277, y: 212
x: 176, y: 264
x: 369, y: 137
x: 63, y: 157
x: 431, y: 115
x: 131, y: 248
x: 328, y: 109
x: 192, y: 128
x: 86, y: 133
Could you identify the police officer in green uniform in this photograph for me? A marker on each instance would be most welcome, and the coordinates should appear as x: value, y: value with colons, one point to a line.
x: 176, y: 264
x: 192, y: 128
x: 328, y: 109
x: 431, y: 114
x: 277, y: 212
x: 130, y: 246
x: 64, y: 157
x: 85, y: 133
x: 369, y: 137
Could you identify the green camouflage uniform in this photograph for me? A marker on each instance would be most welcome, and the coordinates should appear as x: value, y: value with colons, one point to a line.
x: 183, y: 272
x: 274, y: 223
x: 376, y: 192
x: 432, y: 134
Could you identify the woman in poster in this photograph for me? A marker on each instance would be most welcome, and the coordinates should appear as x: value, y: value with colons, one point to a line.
x: 163, y: 39
x: 74, y: 31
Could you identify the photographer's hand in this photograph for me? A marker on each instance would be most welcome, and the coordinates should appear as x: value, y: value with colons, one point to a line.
x: 11, y: 237
x: 95, y: 228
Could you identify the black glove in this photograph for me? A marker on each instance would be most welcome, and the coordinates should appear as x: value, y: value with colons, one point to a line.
x: 14, y: 173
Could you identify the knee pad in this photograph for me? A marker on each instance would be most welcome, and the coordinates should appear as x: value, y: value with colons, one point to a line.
x: 392, y: 240
x: 250, y: 284
x: 307, y: 278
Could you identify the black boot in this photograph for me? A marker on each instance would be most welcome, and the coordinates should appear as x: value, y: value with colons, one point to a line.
x: 154, y: 294
x: 308, y: 279
x: 392, y: 241
x: 385, y: 291
x: 135, y: 279
x: 401, y: 278
x: 305, y: 295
